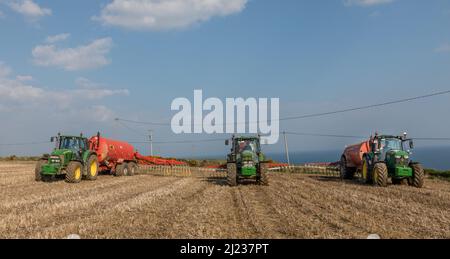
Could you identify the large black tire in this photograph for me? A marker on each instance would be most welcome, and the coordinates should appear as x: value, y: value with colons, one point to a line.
x: 346, y: 173
x: 418, y: 178
x: 38, y: 170
x: 263, y: 178
x: 92, y: 168
x: 132, y: 168
x: 232, y: 174
x: 121, y: 170
x: 74, y: 172
x: 380, y: 175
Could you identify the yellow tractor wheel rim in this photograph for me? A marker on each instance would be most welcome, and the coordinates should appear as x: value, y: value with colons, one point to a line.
x: 365, y: 170
x: 375, y: 176
x: 77, y: 173
x: 93, y: 168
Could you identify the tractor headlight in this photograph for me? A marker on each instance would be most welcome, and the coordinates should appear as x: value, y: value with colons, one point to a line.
x: 55, y: 159
x: 248, y: 163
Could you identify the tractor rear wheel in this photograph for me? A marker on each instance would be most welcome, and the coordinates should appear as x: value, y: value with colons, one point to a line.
x: 346, y: 173
x: 231, y: 174
x: 38, y: 170
x: 74, y: 172
x: 92, y: 168
x: 418, y: 176
x: 132, y: 168
x: 121, y: 170
x: 263, y: 178
x: 380, y: 175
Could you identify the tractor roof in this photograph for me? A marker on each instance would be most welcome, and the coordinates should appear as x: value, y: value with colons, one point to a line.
x: 246, y: 138
x: 70, y: 136
x: 389, y: 136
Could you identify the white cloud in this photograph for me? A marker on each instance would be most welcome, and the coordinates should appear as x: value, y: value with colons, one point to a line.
x: 91, y: 90
x: 4, y: 70
x: 366, y: 2
x: 443, y: 48
x: 56, y: 38
x: 165, y: 14
x: 16, y: 91
x: 100, y: 113
x: 24, y: 78
x: 29, y: 9
x: 83, y: 57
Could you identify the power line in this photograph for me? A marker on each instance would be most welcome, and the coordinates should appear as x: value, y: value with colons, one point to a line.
x: 130, y: 128
x: 366, y: 107
x: 433, y: 139
x: 313, y: 115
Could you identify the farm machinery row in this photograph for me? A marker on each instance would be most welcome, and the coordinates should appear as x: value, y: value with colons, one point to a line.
x: 77, y: 157
x: 377, y: 160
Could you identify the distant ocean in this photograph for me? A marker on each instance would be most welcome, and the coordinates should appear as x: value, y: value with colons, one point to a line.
x: 431, y: 157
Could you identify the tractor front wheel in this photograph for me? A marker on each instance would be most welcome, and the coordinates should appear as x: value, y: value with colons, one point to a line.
x: 418, y: 176
x: 74, y: 172
x: 380, y: 175
x: 263, y: 178
x: 231, y: 174
x: 38, y: 170
x: 92, y: 168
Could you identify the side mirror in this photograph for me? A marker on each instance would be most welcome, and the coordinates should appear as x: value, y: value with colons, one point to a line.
x: 227, y: 142
x: 411, y: 144
x: 52, y: 139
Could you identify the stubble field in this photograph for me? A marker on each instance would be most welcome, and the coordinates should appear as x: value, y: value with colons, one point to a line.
x: 202, y: 206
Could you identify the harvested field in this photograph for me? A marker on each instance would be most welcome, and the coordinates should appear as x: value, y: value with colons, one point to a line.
x: 201, y: 206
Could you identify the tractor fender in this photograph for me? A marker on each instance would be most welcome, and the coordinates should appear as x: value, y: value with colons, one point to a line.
x: 87, y: 154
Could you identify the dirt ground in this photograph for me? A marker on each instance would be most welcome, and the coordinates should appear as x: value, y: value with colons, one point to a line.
x: 149, y: 206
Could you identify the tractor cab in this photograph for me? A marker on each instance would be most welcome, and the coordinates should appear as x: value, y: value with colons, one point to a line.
x: 71, y: 157
x: 76, y: 145
x: 385, y: 145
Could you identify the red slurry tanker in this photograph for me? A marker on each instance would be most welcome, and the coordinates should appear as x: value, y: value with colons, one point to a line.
x: 116, y: 156
x: 121, y: 157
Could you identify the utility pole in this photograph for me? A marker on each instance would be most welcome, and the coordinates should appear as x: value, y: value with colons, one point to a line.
x: 287, y: 149
x: 151, y: 141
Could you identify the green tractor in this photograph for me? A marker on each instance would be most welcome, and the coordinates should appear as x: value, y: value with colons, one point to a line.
x: 71, y: 158
x: 390, y: 157
x: 246, y: 161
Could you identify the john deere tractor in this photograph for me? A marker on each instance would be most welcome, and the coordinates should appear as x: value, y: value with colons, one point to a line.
x: 246, y: 161
x: 390, y: 157
x: 71, y: 159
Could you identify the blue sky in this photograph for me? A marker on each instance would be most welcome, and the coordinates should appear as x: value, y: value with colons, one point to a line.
x: 74, y: 66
